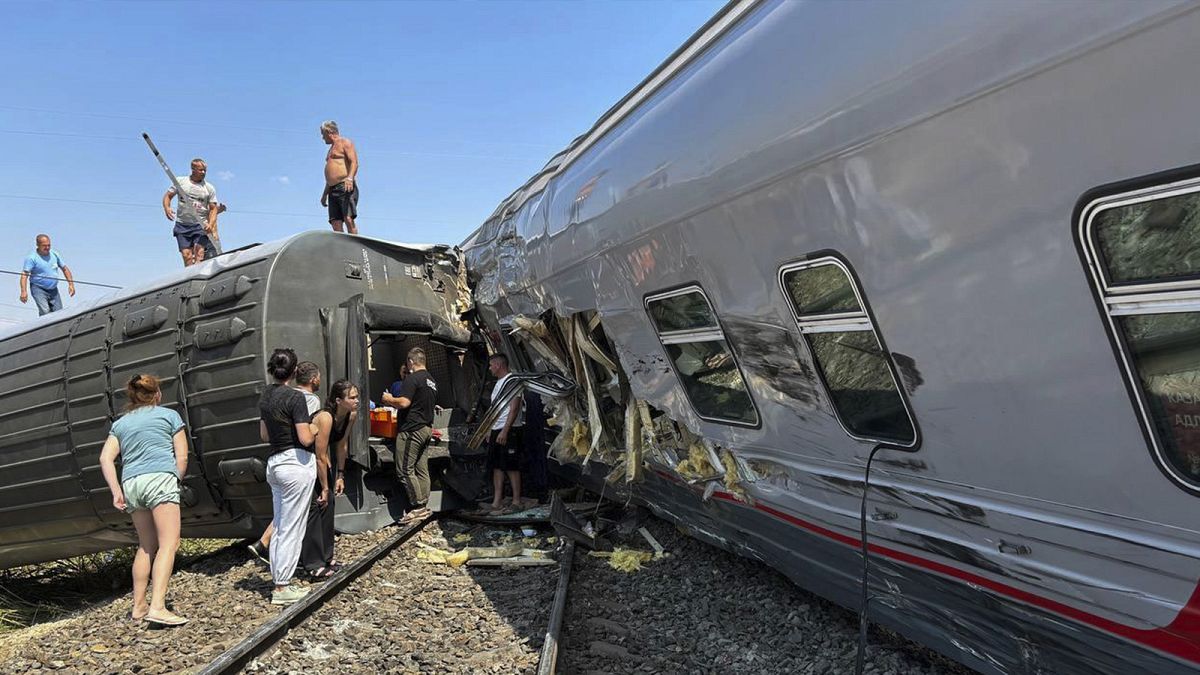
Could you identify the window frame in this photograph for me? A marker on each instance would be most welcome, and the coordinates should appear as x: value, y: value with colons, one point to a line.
x: 716, y: 332
x: 861, y: 321
x: 1134, y: 298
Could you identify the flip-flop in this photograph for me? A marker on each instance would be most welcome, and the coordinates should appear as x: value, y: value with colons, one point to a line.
x: 165, y: 621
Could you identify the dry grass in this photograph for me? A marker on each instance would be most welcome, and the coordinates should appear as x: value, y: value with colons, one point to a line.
x: 36, y: 594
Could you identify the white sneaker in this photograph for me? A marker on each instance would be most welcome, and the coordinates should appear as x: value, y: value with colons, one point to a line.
x: 288, y: 595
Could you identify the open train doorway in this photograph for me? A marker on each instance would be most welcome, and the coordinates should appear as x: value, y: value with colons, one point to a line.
x: 378, y: 340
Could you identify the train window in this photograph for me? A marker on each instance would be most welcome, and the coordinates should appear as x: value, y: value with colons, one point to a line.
x: 824, y: 289
x: 689, y: 311
x: 696, y: 346
x: 1147, y: 241
x: 1144, y: 250
x: 857, y: 372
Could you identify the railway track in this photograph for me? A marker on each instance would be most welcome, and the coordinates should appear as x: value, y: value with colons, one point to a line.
x: 398, y: 609
x: 236, y: 657
x: 408, y: 610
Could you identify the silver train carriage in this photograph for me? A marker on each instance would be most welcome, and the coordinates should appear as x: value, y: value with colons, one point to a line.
x: 353, y: 305
x: 966, y: 232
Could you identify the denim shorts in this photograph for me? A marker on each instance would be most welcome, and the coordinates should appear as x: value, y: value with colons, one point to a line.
x: 148, y: 490
x: 188, y: 235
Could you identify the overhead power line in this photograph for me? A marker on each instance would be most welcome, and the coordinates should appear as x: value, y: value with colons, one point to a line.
x: 76, y: 281
x: 78, y: 113
x: 262, y: 146
x: 32, y: 308
x: 135, y: 205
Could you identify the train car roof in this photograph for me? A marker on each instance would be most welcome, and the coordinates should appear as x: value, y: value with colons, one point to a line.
x: 204, y: 270
x: 694, y: 46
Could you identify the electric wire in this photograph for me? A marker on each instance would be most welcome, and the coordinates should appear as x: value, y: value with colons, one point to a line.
x: 133, y: 205
x: 264, y: 146
x: 31, y: 308
x: 76, y: 281
x: 219, y: 125
x: 861, y: 657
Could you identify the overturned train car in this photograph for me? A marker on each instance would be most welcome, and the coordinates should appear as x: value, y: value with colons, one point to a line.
x: 963, y: 232
x: 353, y: 305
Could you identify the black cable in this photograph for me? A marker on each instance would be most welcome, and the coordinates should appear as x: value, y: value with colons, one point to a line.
x: 860, y: 660
x: 76, y: 281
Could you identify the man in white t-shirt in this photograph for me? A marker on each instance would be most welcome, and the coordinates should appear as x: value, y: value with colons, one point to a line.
x: 196, y: 218
x: 504, y: 446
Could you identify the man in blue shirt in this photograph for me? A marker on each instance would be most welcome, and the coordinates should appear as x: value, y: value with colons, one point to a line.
x: 41, y: 273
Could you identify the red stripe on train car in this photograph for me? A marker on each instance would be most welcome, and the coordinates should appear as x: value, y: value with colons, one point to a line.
x: 1180, y: 638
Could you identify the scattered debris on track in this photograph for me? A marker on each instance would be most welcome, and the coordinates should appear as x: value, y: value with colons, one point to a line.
x: 416, y: 613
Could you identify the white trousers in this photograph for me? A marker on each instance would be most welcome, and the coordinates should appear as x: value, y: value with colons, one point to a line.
x: 291, y: 475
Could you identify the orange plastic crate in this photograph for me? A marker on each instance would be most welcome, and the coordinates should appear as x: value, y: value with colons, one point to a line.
x: 383, y: 424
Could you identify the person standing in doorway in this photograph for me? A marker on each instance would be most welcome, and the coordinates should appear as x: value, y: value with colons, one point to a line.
x: 505, y: 444
x: 341, y: 179
x: 196, y: 218
x: 416, y: 399
x: 40, y: 274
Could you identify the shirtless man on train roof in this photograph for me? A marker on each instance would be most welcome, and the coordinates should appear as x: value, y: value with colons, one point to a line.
x: 341, y: 188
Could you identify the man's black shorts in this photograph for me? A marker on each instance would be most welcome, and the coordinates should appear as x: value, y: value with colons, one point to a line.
x: 342, y: 204
x: 505, y: 457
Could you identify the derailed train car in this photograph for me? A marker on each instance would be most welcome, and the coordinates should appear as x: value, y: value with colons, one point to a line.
x: 353, y: 305
x: 961, y: 236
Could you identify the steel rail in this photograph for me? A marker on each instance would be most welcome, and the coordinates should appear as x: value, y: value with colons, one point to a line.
x: 270, y: 633
x: 548, y: 660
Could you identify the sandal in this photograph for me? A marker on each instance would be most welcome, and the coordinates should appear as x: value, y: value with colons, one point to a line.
x: 411, y: 517
x: 171, y: 620
x: 321, y: 574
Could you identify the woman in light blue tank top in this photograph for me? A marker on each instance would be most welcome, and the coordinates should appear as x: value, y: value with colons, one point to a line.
x: 152, y: 443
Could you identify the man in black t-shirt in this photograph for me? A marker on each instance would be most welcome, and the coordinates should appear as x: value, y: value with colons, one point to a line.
x: 416, y: 398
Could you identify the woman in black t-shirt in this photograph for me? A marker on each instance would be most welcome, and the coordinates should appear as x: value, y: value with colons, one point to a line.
x: 291, y: 470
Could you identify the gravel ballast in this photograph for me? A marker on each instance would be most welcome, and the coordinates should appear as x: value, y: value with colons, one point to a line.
x: 225, y: 597
x: 702, y: 610
x: 407, y: 615
x: 697, y: 610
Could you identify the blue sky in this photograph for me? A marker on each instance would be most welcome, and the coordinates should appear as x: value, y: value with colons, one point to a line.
x: 452, y: 105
